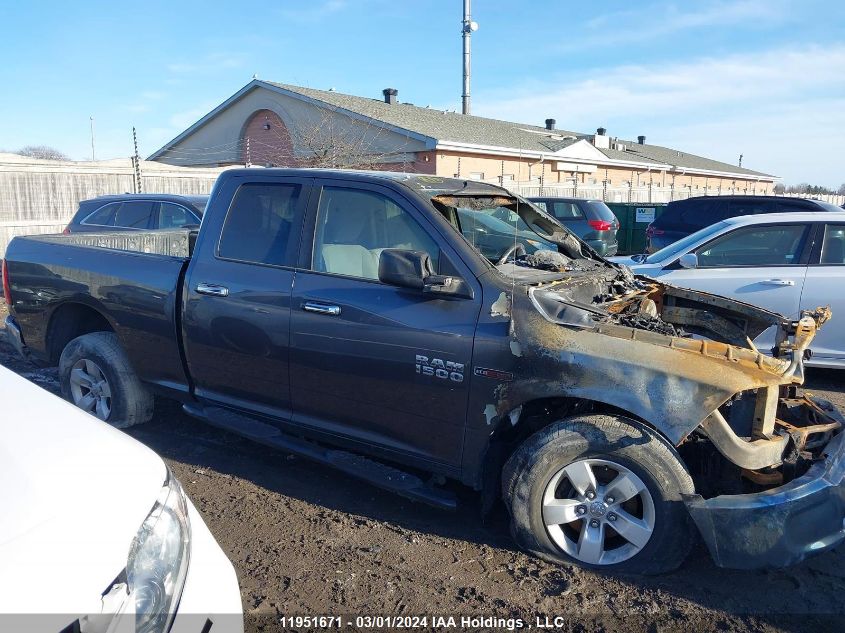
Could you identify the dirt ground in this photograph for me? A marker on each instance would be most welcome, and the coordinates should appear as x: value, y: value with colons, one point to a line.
x: 306, y: 540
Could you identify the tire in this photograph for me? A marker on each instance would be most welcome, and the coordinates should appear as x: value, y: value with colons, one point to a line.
x: 551, y: 518
x: 121, y: 400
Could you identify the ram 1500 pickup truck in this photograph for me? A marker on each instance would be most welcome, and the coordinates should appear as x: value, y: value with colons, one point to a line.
x: 351, y: 317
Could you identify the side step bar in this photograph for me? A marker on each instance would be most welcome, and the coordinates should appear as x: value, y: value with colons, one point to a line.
x: 402, y: 483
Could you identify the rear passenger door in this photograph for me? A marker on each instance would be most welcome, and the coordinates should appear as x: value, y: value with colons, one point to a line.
x: 823, y: 287
x: 237, y: 294
x: 361, y: 350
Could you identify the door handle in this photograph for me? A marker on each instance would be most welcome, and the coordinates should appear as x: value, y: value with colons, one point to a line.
x: 212, y: 289
x: 778, y: 282
x: 321, y: 308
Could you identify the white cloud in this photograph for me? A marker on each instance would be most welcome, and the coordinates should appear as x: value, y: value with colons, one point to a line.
x: 647, y: 22
x: 770, y: 104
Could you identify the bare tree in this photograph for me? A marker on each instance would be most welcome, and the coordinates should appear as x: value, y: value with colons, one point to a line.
x: 779, y: 189
x: 42, y: 151
x: 335, y: 140
x: 841, y: 190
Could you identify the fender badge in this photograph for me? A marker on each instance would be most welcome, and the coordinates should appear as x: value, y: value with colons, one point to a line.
x: 495, y: 374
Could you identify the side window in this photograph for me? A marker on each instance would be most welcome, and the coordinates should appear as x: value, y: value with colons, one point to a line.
x: 748, y: 207
x: 134, y: 215
x: 771, y: 245
x: 786, y: 206
x: 541, y: 204
x: 833, y: 247
x: 102, y: 216
x: 565, y: 210
x: 696, y: 214
x: 354, y: 226
x: 173, y: 216
x: 259, y: 225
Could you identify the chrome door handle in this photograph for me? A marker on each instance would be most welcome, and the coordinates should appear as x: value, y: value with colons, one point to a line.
x: 212, y: 289
x: 778, y: 282
x: 321, y: 308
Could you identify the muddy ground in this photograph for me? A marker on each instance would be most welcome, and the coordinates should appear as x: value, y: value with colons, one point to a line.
x: 306, y: 540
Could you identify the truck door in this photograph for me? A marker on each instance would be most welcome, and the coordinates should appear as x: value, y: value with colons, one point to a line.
x: 236, y: 316
x: 372, y: 362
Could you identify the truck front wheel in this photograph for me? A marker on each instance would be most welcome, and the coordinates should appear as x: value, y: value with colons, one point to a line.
x: 600, y: 491
x: 96, y: 376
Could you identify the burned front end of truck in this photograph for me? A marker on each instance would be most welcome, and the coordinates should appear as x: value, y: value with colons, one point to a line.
x: 585, y: 336
x: 767, y: 458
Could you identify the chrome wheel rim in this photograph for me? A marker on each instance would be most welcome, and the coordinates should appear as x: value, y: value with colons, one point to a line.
x: 90, y: 389
x: 598, y: 512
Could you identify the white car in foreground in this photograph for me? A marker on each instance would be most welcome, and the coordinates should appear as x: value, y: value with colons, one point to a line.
x: 96, y: 535
x: 784, y: 262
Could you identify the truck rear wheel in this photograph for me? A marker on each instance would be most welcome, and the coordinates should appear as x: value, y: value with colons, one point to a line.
x: 96, y: 376
x: 603, y: 492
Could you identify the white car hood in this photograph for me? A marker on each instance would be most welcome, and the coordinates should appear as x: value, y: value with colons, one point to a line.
x: 74, y: 493
x: 638, y: 268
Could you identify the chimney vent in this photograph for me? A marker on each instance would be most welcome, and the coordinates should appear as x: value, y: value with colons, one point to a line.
x: 390, y: 95
x: 550, y: 124
x: 641, y: 139
x: 601, y: 131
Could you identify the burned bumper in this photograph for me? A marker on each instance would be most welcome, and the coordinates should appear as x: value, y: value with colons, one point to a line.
x: 781, y: 526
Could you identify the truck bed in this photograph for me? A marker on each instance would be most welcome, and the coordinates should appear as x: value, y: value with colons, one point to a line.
x: 133, y: 279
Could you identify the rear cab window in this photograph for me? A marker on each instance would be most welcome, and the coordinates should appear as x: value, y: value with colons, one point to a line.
x: 258, y: 228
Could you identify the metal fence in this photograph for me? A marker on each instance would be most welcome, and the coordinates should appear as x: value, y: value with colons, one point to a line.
x: 647, y: 194
x: 40, y: 196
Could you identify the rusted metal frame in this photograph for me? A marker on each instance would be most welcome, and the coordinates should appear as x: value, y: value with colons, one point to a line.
x: 751, y: 455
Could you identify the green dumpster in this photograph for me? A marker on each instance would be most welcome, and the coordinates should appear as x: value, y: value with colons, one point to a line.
x: 633, y: 219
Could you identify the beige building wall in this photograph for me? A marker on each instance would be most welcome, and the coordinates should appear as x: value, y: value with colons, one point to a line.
x: 491, y: 168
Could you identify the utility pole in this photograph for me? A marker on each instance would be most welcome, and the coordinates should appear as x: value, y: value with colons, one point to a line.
x: 468, y: 27
x: 137, y: 160
x: 93, y: 156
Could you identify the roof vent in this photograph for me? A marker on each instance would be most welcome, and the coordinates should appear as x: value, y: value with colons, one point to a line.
x: 601, y: 131
x: 390, y: 95
x: 550, y: 124
x: 641, y: 139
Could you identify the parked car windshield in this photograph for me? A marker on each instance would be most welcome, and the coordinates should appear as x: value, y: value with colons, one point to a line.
x: 675, y: 249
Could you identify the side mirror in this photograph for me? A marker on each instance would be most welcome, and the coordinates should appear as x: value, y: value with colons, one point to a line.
x: 413, y: 270
x: 688, y: 260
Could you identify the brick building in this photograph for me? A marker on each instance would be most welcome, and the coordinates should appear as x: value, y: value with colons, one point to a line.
x: 267, y: 123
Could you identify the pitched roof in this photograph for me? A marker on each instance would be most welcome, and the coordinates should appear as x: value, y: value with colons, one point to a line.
x: 476, y: 130
x: 441, y: 126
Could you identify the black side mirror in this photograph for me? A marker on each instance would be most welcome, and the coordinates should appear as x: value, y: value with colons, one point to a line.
x: 413, y: 269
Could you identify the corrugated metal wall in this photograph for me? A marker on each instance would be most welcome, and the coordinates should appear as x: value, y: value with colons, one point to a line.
x: 38, y: 196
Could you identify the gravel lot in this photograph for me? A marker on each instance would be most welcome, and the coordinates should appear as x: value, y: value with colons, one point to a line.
x: 306, y: 540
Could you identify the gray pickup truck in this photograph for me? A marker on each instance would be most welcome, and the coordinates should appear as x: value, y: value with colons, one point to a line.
x: 354, y: 318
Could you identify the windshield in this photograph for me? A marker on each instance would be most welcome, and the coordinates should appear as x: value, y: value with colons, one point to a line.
x: 500, y: 224
x: 678, y: 248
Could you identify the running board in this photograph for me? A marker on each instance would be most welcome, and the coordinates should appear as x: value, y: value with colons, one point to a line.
x: 379, y: 474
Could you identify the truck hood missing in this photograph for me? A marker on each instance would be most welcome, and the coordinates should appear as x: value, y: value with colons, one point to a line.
x: 668, y: 355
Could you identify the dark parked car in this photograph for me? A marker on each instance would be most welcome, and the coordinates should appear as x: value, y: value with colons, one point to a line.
x: 348, y: 317
x: 137, y: 211
x: 685, y: 217
x: 591, y: 220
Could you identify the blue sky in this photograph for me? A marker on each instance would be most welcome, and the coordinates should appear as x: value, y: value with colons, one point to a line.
x: 763, y: 78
